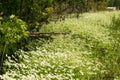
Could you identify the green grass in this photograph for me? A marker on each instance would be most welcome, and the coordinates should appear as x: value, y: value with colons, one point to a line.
x: 89, y: 52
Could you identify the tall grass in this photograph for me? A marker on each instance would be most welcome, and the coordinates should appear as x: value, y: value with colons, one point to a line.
x: 89, y: 52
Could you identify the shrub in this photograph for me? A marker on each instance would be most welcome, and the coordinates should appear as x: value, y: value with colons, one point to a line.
x: 12, y: 31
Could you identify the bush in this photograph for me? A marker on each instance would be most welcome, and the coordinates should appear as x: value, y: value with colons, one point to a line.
x: 12, y: 31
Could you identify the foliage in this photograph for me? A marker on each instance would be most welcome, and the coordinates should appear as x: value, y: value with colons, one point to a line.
x: 12, y: 31
x: 90, y: 52
x: 31, y: 11
x: 114, y: 3
x: 39, y: 11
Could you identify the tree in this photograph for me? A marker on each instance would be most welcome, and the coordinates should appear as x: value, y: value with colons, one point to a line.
x: 114, y: 3
x: 38, y: 11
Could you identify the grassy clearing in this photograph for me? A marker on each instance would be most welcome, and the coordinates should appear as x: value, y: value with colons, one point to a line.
x: 89, y: 52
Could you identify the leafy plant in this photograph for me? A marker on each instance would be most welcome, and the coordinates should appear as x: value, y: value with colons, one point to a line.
x: 12, y: 31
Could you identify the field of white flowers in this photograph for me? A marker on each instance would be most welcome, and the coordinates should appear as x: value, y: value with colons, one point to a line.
x: 90, y: 52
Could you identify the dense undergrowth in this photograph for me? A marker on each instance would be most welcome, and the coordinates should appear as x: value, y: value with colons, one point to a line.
x: 89, y: 52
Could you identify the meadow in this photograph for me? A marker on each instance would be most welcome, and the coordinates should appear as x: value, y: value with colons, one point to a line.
x: 91, y: 51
